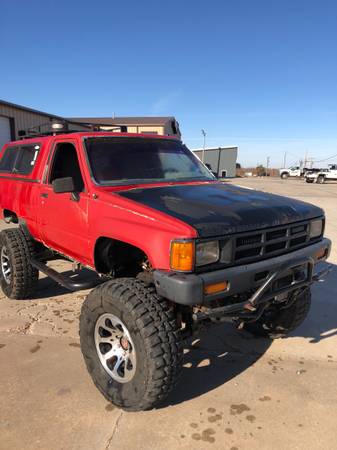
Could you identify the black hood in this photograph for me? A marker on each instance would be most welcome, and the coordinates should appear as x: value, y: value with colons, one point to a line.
x: 217, y: 209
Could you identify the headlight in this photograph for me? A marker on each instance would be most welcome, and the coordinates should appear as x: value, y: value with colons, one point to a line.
x: 206, y: 253
x: 316, y: 228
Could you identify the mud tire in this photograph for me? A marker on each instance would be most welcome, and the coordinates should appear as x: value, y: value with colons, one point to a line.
x: 152, y: 325
x: 24, y: 277
x: 278, y: 323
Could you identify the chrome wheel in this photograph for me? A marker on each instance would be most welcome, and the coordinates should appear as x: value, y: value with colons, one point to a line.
x: 115, y: 348
x: 6, y: 265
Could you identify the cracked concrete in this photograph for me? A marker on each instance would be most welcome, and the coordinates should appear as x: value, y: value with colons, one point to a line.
x: 114, y: 431
x: 235, y: 392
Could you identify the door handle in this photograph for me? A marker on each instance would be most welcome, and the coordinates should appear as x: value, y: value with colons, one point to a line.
x: 44, y: 195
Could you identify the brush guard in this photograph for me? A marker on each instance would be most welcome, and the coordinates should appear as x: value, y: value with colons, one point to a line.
x: 303, y: 276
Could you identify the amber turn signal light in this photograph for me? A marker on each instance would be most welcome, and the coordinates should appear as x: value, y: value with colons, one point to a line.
x: 182, y: 256
x: 216, y: 287
x: 321, y: 253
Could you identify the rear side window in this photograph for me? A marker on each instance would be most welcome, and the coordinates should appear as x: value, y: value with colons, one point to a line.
x: 8, y: 159
x: 26, y: 159
x: 19, y: 160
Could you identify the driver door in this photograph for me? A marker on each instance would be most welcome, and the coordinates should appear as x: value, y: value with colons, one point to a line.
x: 64, y: 216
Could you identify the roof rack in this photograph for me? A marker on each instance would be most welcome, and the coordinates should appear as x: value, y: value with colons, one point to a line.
x: 55, y: 127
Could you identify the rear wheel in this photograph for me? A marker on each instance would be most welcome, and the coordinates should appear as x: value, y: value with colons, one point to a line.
x: 278, y: 321
x: 130, y: 343
x: 18, y: 277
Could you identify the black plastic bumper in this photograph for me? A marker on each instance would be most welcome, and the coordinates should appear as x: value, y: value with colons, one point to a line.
x: 188, y: 289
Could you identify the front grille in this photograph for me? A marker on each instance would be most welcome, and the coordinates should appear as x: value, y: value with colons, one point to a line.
x: 248, y: 240
x: 270, y: 242
x: 253, y: 246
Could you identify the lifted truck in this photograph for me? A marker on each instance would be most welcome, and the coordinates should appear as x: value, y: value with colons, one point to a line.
x: 174, y: 247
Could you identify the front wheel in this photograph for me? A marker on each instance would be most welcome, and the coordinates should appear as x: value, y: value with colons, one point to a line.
x: 284, y: 176
x: 130, y: 342
x: 321, y: 179
x: 309, y: 180
x: 278, y: 321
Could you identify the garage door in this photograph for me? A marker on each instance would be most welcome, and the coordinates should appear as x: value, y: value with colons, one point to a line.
x: 5, y: 131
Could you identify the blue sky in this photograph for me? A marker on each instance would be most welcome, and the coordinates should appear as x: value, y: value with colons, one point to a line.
x: 260, y: 74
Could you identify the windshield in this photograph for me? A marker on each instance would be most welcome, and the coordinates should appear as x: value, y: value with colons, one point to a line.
x: 115, y: 160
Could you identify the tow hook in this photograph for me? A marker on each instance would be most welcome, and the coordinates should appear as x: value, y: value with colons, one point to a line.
x: 249, y: 306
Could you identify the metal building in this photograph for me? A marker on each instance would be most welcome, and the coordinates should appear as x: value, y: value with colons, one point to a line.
x: 15, y: 117
x: 221, y: 160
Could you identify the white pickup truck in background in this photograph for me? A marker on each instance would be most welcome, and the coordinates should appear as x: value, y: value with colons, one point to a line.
x: 323, y: 175
x: 295, y: 171
x: 291, y: 172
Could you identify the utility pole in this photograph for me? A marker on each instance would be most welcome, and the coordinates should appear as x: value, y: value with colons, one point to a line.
x: 268, y: 161
x: 305, y: 159
x: 203, y: 132
x: 285, y: 160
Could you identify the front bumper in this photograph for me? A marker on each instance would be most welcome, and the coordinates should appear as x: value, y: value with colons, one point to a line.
x: 188, y: 289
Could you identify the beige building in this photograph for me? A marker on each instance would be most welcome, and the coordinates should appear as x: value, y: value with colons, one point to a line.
x: 15, y: 118
x: 149, y: 125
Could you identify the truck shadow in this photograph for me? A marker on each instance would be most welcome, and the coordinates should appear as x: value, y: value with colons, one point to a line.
x: 213, y: 359
x: 321, y: 322
x: 219, y: 355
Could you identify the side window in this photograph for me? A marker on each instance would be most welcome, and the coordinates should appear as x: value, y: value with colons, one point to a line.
x: 66, y: 164
x: 26, y: 159
x: 8, y: 159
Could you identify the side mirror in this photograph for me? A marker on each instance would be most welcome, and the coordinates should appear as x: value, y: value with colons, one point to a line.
x: 63, y: 185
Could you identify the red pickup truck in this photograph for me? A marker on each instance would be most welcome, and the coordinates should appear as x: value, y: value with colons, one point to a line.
x: 172, y: 246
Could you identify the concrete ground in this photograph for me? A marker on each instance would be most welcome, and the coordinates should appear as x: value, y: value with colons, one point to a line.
x: 235, y: 392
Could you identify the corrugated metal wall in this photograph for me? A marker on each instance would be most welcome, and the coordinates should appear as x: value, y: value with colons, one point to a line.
x: 227, y: 160
x: 22, y: 119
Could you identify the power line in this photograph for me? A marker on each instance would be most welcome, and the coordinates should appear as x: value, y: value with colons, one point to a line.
x: 326, y: 159
x: 295, y: 163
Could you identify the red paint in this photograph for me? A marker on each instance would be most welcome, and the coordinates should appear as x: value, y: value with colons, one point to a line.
x: 73, y: 228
